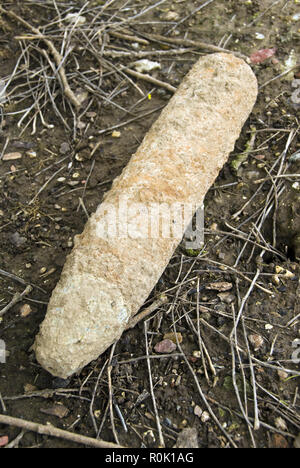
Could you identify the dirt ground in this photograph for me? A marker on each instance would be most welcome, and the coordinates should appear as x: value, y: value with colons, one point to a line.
x: 55, y: 167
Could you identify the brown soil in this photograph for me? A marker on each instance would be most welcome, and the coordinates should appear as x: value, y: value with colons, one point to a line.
x: 46, y: 197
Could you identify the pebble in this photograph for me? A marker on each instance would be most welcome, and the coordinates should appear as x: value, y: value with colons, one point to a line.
x: 198, y: 411
x: 226, y: 297
x: 64, y: 148
x: 172, y: 336
x: 205, y: 416
x: 31, y: 154
x: 170, y: 16
x: 280, y: 424
x: 165, y: 346
x: 25, y: 310
x: 282, y: 375
x: 58, y: 410
x: 11, y: 156
x: 3, y: 441
x: 75, y: 18
x: 178, y: 381
x: 256, y: 340
x: 116, y: 134
x: 145, y: 65
x: 259, y: 36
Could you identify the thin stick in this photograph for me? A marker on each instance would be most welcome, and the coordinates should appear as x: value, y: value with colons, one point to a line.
x: 253, y: 380
x: 56, y: 55
x: 145, y: 312
x: 55, y: 432
x: 16, y: 298
x: 93, y: 397
x: 20, y: 280
x: 190, y: 43
x: 109, y: 369
x: 161, y: 437
x: 201, y: 393
x: 46, y: 183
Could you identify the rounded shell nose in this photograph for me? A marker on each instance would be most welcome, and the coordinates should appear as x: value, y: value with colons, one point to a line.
x: 85, y: 316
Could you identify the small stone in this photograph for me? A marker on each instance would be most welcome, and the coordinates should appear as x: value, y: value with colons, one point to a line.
x: 3, y: 441
x: 28, y: 265
x: 64, y: 148
x: 76, y: 175
x: 256, y: 341
x: 25, y: 310
x: 178, y: 381
x: 80, y: 125
x: 91, y: 115
x: 31, y: 154
x: 11, y: 156
x: 75, y: 19
x: 165, y: 346
x: 183, y: 424
x: 268, y: 326
x: 145, y: 65
x: 226, y: 297
x: 172, y: 336
x: 43, y: 270
x: 170, y: 16
x: 57, y: 410
x: 198, y: 411
x: 205, y: 416
x: 282, y: 375
x: 280, y: 424
x: 197, y: 354
x: 81, y: 96
x: 29, y: 388
x: 61, y: 179
x: 79, y: 157
x: 116, y: 134
x: 259, y: 36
